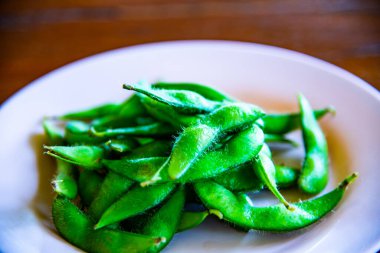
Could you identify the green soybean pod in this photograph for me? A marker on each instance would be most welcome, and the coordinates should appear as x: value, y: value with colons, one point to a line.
x: 186, y: 102
x: 166, y: 113
x: 203, y: 90
x: 314, y: 172
x: 73, y: 225
x: 152, y: 149
x: 125, y: 116
x: 243, y: 179
x: 164, y: 222
x: 156, y: 129
x: 64, y: 182
x: 191, y: 220
x: 88, y: 186
x: 238, y: 208
x: 92, y: 113
x: 194, y: 140
x: 122, y: 145
x: 229, y: 156
x: 287, y: 122
x: 88, y: 157
x: 77, y: 133
x: 134, y: 202
x: 266, y: 171
x: 112, y: 188
x: 277, y: 138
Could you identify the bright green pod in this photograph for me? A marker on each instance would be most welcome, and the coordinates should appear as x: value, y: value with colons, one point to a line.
x: 203, y: 90
x: 186, y: 102
x: 191, y: 220
x: 134, y: 202
x: 92, y: 113
x: 266, y: 172
x: 164, y: 222
x: 287, y: 122
x: 229, y: 156
x: 125, y: 116
x: 166, y: 113
x: 157, y: 129
x: 237, y: 208
x: 88, y: 186
x: 151, y: 149
x: 77, y: 133
x: 243, y: 179
x: 113, y: 187
x: 195, y: 140
x: 64, y: 183
x: 88, y: 157
x: 73, y: 225
x: 278, y: 138
x: 122, y: 145
x: 53, y: 133
x: 314, y: 172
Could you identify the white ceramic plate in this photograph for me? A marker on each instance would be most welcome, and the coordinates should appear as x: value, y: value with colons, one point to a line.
x: 268, y: 76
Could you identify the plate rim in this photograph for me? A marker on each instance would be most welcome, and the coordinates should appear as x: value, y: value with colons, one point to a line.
x: 231, y: 44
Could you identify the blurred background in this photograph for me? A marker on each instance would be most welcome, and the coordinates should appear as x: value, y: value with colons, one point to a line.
x: 39, y: 36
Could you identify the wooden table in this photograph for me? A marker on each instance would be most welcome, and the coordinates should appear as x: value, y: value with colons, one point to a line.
x: 41, y: 35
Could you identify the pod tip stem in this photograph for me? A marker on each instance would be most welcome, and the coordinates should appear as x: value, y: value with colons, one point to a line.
x: 348, y: 180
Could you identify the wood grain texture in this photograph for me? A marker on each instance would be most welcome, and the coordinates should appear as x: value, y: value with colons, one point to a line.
x: 39, y: 36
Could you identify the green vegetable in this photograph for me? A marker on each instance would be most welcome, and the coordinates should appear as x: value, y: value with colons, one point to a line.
x: 314, y: 172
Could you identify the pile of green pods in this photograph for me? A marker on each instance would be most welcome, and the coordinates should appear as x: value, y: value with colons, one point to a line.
x: 132, y: 175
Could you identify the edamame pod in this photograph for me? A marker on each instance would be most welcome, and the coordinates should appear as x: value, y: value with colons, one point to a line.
x: 314, y: 173
x: 191, y: 220
x: 151, y: 130
x: 238, y: 208
x: 92, y: 113
x: 77, y: 229
x: 203, y: 90
x: 88, y: 157
x: 88, y: 186
x: 164, y: 222
x: 112, y: 188
x: 194, y: 140
x: 287, y: 122
x: 134, y: 202
x: 186, y: 102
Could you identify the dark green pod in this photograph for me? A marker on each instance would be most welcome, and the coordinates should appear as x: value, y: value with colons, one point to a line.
x: 77, y: 229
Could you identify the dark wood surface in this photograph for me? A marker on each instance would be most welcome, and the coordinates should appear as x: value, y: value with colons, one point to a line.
x: 38, y: 36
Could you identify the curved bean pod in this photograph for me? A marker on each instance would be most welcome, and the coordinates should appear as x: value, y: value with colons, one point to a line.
x: 155, y: 130
x: 287, y: 122
x: 314, y: 172
x: 238, y: 208
x: 191, y: 220
x: 265, y: 170
x: 164, y: 222
x: 243, y: 179
x: 134, y: 202
x: 88, y: 157
x: 229, y: 156
x: 88, y: 186
x: 194, y: 140
x: 92, y: 113
x: 77, y: 229
x: 112, y: 188
x: 186, y: 102
x: 203, y: 90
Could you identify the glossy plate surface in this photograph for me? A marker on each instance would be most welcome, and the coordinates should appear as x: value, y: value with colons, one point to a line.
x: 268, y: 76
